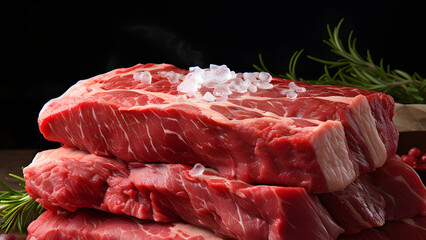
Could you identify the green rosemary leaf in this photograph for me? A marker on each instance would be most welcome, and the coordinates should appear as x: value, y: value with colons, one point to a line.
x: 17, y: 208
x: 423, y: 84
x: 17, y: 177
x: 352, y: 69
x: 258, y: 68
x: 327, y: 62
x: 292, y: 65
x: 7, y: 188
x: 262, y: 67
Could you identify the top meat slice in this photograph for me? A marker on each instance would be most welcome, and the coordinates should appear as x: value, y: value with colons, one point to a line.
x: 321, y: 140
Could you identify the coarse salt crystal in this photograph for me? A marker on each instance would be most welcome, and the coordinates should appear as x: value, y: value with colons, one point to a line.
x: 263, y: 85
x: 264, y: 76
x: 294, y: 87
x: 221, y: 90
x: 209, y: 97
x: 194, y: 68
x: 211, y: 84
x: 237, y: 85
x: 223, y: 81
x: 244, y: 87
x: 292, y: 90
x: 251, y: 77
x: 173, y: 77
x: 252, y: 88
x: 145, y: 77
x: 197, y: 170
x: 219, y: 73
x: 191, y: 83
x: 291, y: 94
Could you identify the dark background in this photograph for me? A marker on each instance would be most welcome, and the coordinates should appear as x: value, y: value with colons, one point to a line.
x: 48, y: 46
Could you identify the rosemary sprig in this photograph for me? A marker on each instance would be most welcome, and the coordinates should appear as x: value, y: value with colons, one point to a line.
x: 17, y: 208
x: 352, y: 69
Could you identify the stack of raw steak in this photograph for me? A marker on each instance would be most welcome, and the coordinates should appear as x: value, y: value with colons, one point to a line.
x: 158, y: 152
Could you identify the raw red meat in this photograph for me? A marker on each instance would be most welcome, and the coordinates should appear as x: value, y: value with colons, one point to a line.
x: 87, y: 224
x: 402, y: 189
x: 359, y: 206
x: 96, y: 225
x: 410, y: 228
x: 392, y: 192
x: 320, y: 140
x: 71, y: 179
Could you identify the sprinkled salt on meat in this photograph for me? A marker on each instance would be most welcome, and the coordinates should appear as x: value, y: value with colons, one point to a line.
x: 240, y: 124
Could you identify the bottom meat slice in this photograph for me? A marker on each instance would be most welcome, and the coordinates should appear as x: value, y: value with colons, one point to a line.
x: 410, y: 228
x: 89, y: 224
x: 69, y: 179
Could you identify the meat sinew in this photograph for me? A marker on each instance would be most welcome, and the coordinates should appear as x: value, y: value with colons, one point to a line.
x: 321, y: 140
x: 70, y: 179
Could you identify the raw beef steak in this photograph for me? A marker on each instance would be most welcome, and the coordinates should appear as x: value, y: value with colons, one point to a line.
x: 71, y: 179
x: 319, y: 140
x: 392, y: 192
x: 359, y: 206
x: 87, y: 224
x: 410, y: 228
x: 402, y: 189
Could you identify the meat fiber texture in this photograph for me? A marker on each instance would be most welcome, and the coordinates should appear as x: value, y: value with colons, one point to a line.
x: 70, y: 179
x: 392, y: 192
x: 410, y: 228
x: 320, y: 138
x: 87, y: 224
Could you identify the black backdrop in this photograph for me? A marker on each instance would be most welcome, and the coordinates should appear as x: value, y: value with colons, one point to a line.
x: 50, y: 46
